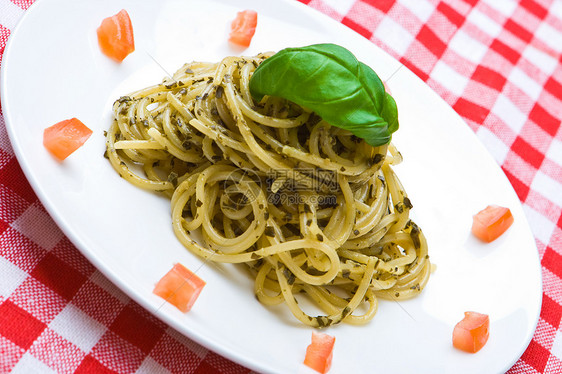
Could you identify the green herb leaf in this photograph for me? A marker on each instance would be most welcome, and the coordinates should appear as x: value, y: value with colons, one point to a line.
x: 328, y: 79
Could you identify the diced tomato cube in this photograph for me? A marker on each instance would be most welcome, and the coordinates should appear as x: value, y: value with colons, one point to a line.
x: 472, y: 332
x: 65, y: 137
x: 490, y: 223
x: 180, y: 287
x: 319, y: 353
x: 115, y: 36
x: 243, y: 28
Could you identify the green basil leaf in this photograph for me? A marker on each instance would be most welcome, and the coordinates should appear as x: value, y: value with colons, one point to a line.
x: 328, y: 79
x: 390, y: 112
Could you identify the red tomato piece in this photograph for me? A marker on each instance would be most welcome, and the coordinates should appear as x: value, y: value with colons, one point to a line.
x: 490, y: 223
x: 243, y: 28
x: 319, y: 353
x: 472, y: 333
x: 65, y: 137
x: 115, y: 36
x: 180, y: 287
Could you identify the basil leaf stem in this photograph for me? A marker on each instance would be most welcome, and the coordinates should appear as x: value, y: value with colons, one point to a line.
x: 329, y: 80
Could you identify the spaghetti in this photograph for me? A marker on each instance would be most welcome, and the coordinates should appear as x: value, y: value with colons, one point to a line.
x: 307, y: 207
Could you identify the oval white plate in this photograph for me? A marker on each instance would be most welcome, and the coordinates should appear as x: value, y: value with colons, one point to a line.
x: 53, y: 70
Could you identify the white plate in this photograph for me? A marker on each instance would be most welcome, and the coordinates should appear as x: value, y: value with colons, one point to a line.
x: 53, y: 70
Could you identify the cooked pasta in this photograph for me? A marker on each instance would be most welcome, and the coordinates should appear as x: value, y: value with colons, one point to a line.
x: 310, y: 210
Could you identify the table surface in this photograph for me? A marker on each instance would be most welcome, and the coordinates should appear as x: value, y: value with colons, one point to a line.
x: 498, y: 63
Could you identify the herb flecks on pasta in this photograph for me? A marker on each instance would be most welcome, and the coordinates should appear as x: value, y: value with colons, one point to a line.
x: 310, y: 209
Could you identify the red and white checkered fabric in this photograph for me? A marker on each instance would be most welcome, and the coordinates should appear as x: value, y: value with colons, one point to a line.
x: 498, y: 63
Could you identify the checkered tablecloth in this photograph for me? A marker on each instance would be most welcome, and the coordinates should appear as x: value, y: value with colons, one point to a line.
x: 496, y: 62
